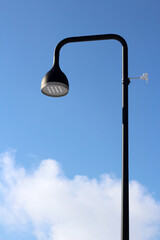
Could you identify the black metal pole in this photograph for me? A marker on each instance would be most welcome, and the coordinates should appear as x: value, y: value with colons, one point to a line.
x: 125, y: 158
x: 125, y: 83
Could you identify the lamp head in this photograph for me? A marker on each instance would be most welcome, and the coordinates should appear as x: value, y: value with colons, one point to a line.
x: 55, y: 83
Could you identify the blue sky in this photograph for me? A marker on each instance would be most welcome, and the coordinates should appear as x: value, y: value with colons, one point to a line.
x: 82, y: 131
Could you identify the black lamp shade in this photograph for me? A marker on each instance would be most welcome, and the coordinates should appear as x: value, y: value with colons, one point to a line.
x: 55, y: 83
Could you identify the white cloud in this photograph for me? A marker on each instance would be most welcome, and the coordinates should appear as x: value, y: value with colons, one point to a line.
x: 72, y: 209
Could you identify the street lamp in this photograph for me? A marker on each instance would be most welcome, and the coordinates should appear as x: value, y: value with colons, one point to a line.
x: 55, y: 84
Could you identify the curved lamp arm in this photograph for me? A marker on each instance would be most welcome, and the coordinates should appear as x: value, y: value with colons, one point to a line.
x: 98, y: 38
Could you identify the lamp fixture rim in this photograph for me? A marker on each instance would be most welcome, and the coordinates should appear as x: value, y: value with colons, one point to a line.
x: 46, y: 84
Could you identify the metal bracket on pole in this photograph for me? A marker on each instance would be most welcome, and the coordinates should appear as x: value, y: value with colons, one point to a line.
x: 142, y: 77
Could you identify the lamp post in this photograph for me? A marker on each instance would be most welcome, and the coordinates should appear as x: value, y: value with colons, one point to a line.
x: 55, y: 84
